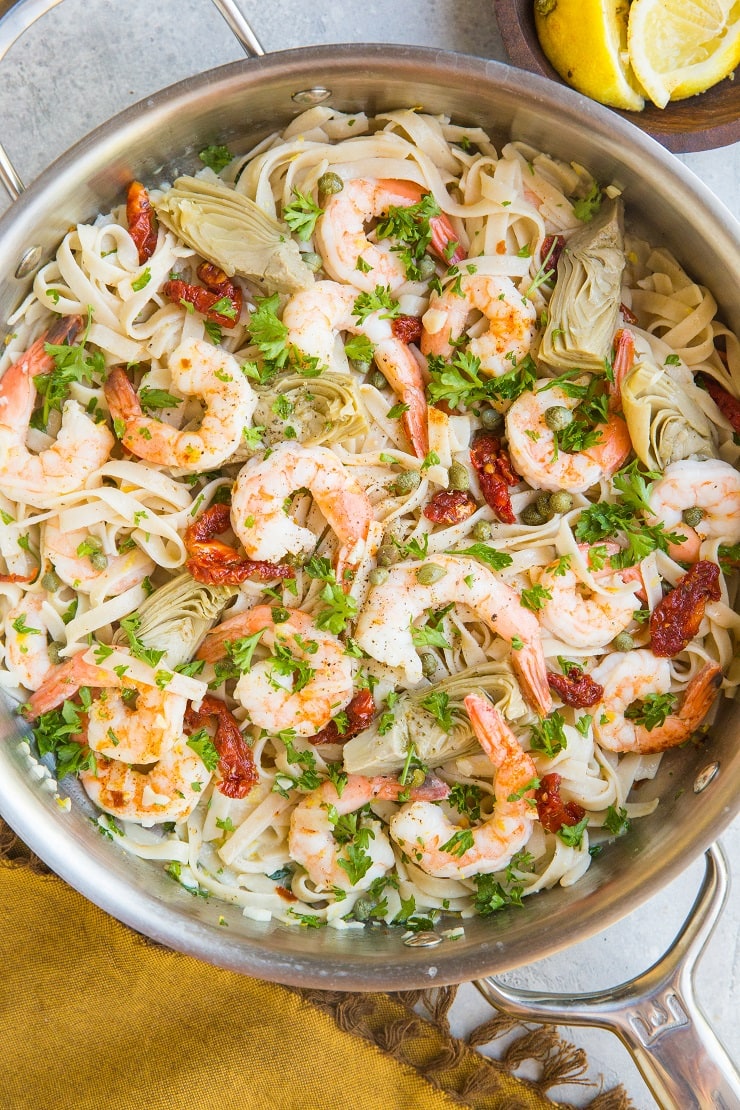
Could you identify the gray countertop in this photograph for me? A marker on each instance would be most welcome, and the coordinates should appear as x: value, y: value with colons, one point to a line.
x: 88, y: 59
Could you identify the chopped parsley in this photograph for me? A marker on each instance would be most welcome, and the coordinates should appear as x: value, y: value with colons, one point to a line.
x: 60, y: 732
x: 548, y: 735
x: 652, y: 710
x: 301, y: 215
x: 380, y: 298
x: 216, y: 157
x: 203, y: 745
x: 411, y: 229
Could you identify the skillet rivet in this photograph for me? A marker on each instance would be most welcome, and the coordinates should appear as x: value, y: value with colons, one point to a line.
x: 705, y: 776
x: 316, y: 95
x: 423, y: 940
x: 30, y: 261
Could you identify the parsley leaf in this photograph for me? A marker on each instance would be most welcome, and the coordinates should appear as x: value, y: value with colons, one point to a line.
x: 203, y: 746
x: 496, y: 560
x: 367, y: 303
x: 548, y: 735
x: 216, y: 157
x: 585, y: 208
x: 152, y: 399
x: 301, y: 215
x: 652, y: 710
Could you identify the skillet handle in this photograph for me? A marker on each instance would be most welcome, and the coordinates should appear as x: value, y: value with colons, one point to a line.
x: 655, y: 1015
x: 16, y: 16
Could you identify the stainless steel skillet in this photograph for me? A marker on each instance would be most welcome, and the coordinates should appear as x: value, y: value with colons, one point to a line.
x: 237, y: 104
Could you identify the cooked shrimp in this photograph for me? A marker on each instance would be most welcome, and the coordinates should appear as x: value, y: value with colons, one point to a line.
x: 64, y: 680
x: 136, y: 724
x: 535, y: 455
x: 639, y: 676
x: 385, y: 625
x: 26, y: 641
x: 92, y: 571
x: 342, y: 241
x: 169, y: 791
x: 198, y: 369
x: 447, y: 851
x: 511, y: 318
x: 312, y: 842
x: 582, y: 618
x: 81, y: 446
x: 315, y: 317
x: 258, y: 514
x: 305, y: 681
x: 710, y: 485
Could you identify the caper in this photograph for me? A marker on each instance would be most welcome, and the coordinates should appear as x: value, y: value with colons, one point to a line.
x: 623, y: 642
x: 491, y: 419
x: 543, y: 506
x: 55, y: 652
x: 330, y: 183
x: 387, y: 555
x: 482, y: 530
x: 532, y: 516
x: 561, y: 502
x: 558, y: 417
x: 458, y: 476
x: 313, y: 260
x: 98, y: 560
x: 362, y: 909
x: 417, y: 778
x: 693, y: 516
x: 406, y: 482
x: 378, y: 575
x: 429, y: 574
x: 51, y: 581
x: 296, y: 558
x: 426, y: 267
x: 377, y: 379
x: 428, y: 663
x: 362, y: 366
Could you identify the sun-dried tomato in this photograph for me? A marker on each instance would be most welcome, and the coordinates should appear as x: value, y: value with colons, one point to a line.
x: 236, y: 768
x: 407, y: 328
x: 142, y: 222
x: 552, y: 811
x: 359, y: 713
x: 675, y: 620
x: 728, y: 405
x: 450, y: 506
x: 576, y: 688
x: 217, y: 289
x: 554, y: 243
x: 215, y: 563
x: 495, y: 474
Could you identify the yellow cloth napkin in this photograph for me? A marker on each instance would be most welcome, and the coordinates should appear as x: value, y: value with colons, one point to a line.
x: 95, y: 1017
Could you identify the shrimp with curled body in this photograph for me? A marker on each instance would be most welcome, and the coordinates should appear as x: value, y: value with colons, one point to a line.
x: 258, y: 514
x: 442, y: 849
x: 81, y: 445
x: 27, y: 641
x: 342, y: 241
x: 385, y: 625
x: 198, y: 369
x: 304, y: 682
x: 709, y: 485
x: 312, y: 842
x: 639, y: 677
x: 315, y: 317
x: 511, y: 319
x: 583, y: 618
x: 537, y: 457
x: 80, y: 562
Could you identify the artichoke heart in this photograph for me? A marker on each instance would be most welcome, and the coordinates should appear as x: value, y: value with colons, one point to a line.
x: 370, y: 753
x: 175, y: 617
x: 233, y: 232
x: 320, y: 411
x: 663, y: 408
x: 584, y: 305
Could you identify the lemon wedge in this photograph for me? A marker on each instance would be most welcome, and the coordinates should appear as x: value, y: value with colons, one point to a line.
x: 678, y: 48
x: 586, y: 42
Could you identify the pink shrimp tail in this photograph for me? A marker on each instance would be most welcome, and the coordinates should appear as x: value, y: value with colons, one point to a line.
x: 62, y: 331
x: 388, y: 789
x: 121, y: 395
x: 624, y: 357
x: 63, y: 682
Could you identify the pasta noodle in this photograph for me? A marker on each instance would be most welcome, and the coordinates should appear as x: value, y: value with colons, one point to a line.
x: 404, y: 649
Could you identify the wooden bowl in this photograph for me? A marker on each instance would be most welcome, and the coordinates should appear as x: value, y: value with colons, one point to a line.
x: 698, y: 123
